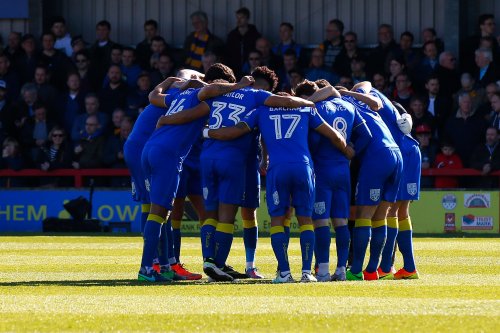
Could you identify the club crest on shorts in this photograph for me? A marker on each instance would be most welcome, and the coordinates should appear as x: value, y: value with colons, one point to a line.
x: 148, y: 186
x: 319, y: 207
x: 276, y: 198
x: 205, y: 193
x: 374, y: 194
x: 411, y: 188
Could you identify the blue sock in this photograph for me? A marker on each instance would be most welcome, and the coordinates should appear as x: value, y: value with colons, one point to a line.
x: 144, y: 216
x: 379, y: 235
x: 405, y: 244
x: 163, y: 245
x: 207, y: 232
x: 152, y: 231
x: 223, y: 240
x: 392, y: 232
x: 307, y: 245
x: 360, y: 238
x: 176, y: 236
x: 250, y: 236
x: 322, y: 242
x: 280, y: 247
x: 170, y: 236
x: 286, y: 230
x: 342, y: 240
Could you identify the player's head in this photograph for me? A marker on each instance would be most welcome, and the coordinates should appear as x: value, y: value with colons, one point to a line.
x: 265, y: 78
x: 305, y: 89
x: 321, y: 83
x: 219, y: 71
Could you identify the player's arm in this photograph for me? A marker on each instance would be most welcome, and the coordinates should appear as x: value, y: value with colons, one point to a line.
x: 192, y: 83
x: 287, y: 102
x: 336, y: 139
x: 264, y: 161
x: 373, y: 102
x: 363, y: 85
x: 184, y: 116
x: 323, y: 94
x: 227, y: 133
x: 217, y: 89
x: 156, y: 96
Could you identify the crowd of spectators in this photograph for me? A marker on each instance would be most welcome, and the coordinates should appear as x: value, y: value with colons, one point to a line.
x: 65, y: 103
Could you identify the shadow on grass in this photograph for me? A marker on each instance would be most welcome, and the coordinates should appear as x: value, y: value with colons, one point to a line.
x: 126, y: 283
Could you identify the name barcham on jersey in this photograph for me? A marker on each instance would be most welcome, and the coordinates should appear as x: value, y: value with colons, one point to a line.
x: 235, y: 95
x: 306, y: 109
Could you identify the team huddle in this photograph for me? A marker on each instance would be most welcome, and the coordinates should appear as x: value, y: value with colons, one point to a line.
x: 303, y: 144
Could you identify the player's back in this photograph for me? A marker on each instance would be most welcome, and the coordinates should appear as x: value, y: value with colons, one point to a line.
x: 227, y: 110
x: 382, y: 137
x: 146, y: 122
x: 178, y: 139
x: 341, y: 116
x: 285, y: 132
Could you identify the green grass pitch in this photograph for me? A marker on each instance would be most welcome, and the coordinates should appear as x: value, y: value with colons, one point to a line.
x: 75, y: 284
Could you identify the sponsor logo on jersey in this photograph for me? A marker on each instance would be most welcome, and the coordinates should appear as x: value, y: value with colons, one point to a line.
x: 374, y: 194
x: 319, y: 207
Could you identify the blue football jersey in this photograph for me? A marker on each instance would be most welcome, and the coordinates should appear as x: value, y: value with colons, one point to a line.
x: 227, y: 110
x: 285, y: 132
x: 180, y: 138
x: 382, y: 137
x: 146, y: 122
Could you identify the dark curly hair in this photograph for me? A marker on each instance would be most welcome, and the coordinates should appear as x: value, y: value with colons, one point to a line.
x: 219, y: 71
x: 266, y: 74
x: 306, y: 88
x: 321, y: 83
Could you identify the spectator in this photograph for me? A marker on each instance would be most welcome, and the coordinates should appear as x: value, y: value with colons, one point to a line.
x: 486, y: 158
x: 9, y: 77
x: 34, y: 131
x: 487, y: 71
x: 200, y: 41
x: 56, y: 153
x: 27, y: 60
x: 346, y: 82
x: 254, y: 60
x: 447, y: 74
x: 89, y: 80
x: 411, y: 56
x: 115, y: 57
x: 403, y: 91
x: 486, y: 109
x: 77, y: 44
x: 158, y: 46
x: 469, y: 87
x: 318, y: 70
x: 334, y: 43
x: 296, y: 77
x: 465, y: 128
x: 137, y: 99
x: 350, y: 50
x: 380, y: 82
x: 287, y: 42
x: 447, y: 159
x: 100, y: 51
x: 89, y: 149
x: 358, y: 72
x: 14, y: 49
x: 11, y: 159
x: 63, y: 39
x: 240, y: 41
x: 116, y: 121
x: 495, y: 105
x: 166, y: 68
x: 6, y: 113
x: 421, y: 116
x: 71, y: 102
x: 428, y: 151
x: 269, y: 59
x: 378, y: 57
x: 486, y: 24
x: 56, y: 61
x: 290, y: 62
x: 130, y: 69
x: 397, y: 65
x: 143, y: 49
x: 91, y: 109
x: 113, y: 152
x: 47, y: 93
x: 427, y: 65
x: 114, y: 93
x: 24, y: 109
x: 430, y: 35
x: 208, y: 59
x: 439, y: 106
